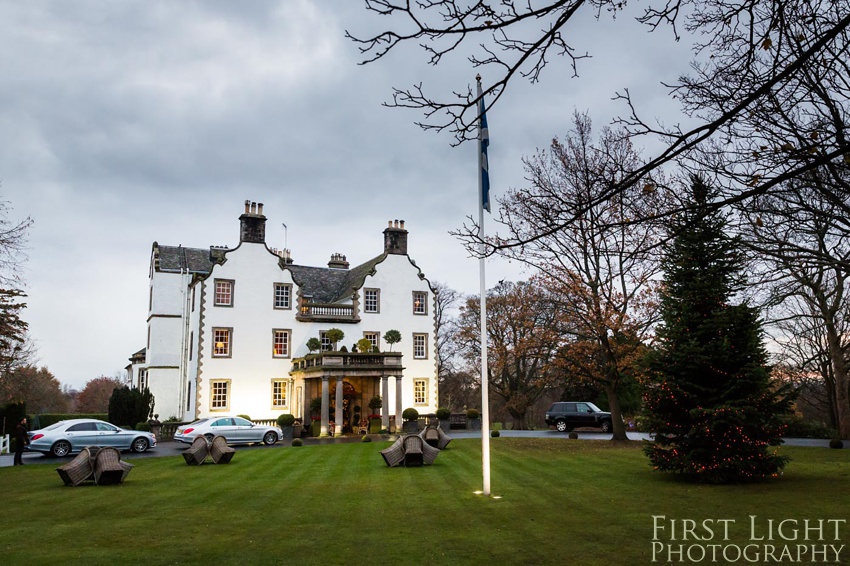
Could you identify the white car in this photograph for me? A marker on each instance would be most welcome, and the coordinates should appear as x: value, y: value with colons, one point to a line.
x: 235, y: 430
x: 71, y: 436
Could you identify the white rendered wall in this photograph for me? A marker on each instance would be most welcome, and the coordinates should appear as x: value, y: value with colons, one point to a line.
x: 251, y: 366
x: 164, y: 355
x: 252, y: 318
x: 397, y: 279
x: 189, y: 381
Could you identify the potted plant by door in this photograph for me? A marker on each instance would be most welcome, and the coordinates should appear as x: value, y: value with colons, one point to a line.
x: 473, y: 419
x: 375, y: 404
x: 411, y: 420
x: 285, y: 422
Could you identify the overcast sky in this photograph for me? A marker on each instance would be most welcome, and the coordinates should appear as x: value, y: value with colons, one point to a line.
x: 129, y: 122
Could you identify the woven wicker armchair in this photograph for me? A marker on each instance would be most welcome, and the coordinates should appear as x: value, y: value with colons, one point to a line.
x: 107, y: 467
x: 197, y: 451
x: 429, y: 453
x: 220, y: 452
x: 413, y: 445
x: 435, y: 436
x: 394, y: 455
x: 125, y: 469
x: 77, y: 470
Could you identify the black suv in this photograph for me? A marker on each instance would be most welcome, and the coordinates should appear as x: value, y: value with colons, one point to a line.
x: 565, y: 416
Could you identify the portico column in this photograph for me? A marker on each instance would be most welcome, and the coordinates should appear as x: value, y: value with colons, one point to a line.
x: 385, y: 396
x: 338, y: 415
x: 325, y: 409
x: 397, y: 403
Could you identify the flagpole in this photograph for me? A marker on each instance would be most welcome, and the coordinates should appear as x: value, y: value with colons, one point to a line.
x: 485, y: 395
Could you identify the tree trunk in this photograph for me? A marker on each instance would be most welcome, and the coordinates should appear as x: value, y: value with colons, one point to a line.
x: 842, y: 382
x: 519, y: 420
x: 617, y: 427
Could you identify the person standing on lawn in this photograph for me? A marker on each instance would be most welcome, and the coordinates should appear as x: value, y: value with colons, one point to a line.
x: 21, y: 440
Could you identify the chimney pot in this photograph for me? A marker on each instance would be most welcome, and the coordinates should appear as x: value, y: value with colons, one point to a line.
x: 260, y: 208
x: 395, y: 238
x: 252, y: 226
x: 389, y: 223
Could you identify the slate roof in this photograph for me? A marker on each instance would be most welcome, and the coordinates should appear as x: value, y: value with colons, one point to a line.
x: 323, y: 284
x: 175, y: 258
x: 331, y: 285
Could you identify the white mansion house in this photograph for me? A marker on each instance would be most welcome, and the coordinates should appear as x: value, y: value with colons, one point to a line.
x: 228, y: 332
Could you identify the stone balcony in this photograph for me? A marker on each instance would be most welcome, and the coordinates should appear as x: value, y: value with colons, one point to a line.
x: 379, y: 363
x: 327, y: 312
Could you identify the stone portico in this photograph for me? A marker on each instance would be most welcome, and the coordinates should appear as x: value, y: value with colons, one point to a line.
x: 355, y: 378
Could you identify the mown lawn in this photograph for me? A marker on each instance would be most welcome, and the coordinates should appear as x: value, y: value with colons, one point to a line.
x: 561, y: 502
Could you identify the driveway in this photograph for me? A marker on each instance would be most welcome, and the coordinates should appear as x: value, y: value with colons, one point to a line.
x: 176, y: 448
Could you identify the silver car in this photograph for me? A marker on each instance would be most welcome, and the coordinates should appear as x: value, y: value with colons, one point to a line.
x: 71, y: 436
x: 235, y: 430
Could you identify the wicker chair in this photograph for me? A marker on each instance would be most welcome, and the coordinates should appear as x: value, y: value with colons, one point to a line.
x: 125, y: 468
x: 77, y: 470
x: 429, y: 453
x: 435, y: 436
x: 413, y: 447
x: 220, y: 452
x: 107, y: 467
x: 394, y: 455
x: 197, y: 451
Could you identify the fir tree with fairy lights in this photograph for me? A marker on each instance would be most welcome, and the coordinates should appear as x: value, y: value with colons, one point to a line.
x: 709, y: 397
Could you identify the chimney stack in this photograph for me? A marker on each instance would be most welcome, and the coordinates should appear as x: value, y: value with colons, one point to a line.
x: 252, y: 224
x: 338, y: 261
x: 395, y: 238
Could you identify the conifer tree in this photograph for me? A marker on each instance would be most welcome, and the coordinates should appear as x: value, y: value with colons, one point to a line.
x: 716, y: 413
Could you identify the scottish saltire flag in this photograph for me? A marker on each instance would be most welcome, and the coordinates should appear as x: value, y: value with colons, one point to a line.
x: 483, y: 142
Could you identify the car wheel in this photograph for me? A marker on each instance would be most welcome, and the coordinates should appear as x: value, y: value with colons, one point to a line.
x: 61, y: 449
x: 270, y: 438
x: 606, y: 426
x: 139, y: 445
x: 561, y: 426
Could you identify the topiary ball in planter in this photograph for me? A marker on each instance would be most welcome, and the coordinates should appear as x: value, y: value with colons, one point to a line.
x: 443, y: 414
x: 285, y: 420
x: 411, y: 420
x: 366, y: 438
x: 836, y: 443
x: 297, y: 442
x: 410, y: 414
x: 573, y: 435
x: 495, y: 433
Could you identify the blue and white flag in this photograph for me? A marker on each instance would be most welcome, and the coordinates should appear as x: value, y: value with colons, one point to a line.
x: 483, y: 142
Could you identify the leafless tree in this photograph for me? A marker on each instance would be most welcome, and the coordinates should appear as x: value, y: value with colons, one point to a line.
x: 601, y: 269
x: 798, y: 235
x: 13, y: 239
x: 16, y: 349
x: 775, y: 65
x: 454, y: 382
